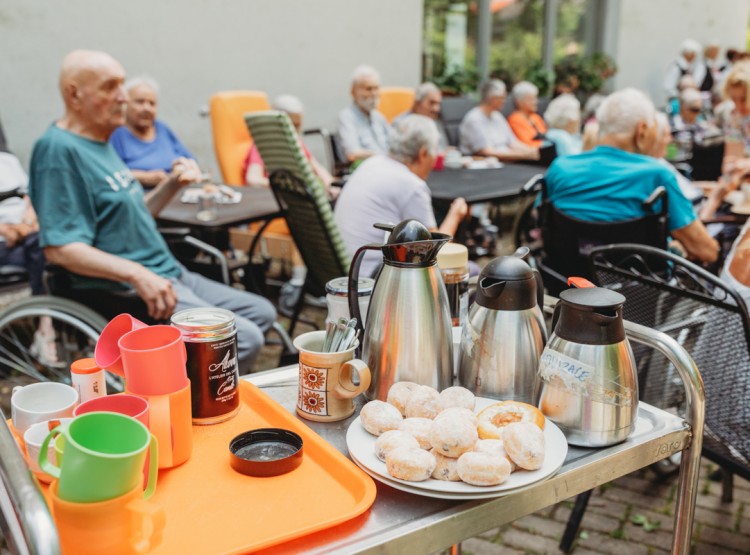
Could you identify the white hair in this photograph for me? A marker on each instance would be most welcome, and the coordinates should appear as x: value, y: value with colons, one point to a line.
x: 688, y: 96
x: 562, y: 110
x: 364, y: 72
x: 690, y: 46
x: 288, y: 103
x: 412, y: 134
x: 524, y: 89
x: 492, y: 88
x: 142, y: 80
x: 622, y: 111
x: 662, y: 122
x: 424, y: 89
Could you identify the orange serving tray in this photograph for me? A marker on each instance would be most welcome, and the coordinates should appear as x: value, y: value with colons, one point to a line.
x: 213, y: 510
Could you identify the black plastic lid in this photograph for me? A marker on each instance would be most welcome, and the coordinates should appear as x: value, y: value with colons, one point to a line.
x: 507, y: 283
x: 590, y: 315
x: 407, y: 231
x: 265, y: 452
x: 411, y: 244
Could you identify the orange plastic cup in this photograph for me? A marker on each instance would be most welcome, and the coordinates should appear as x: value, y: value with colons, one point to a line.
x: 170, y: 419
x: 107, y: 351
x: 154, y: 360
x: 125, y: 525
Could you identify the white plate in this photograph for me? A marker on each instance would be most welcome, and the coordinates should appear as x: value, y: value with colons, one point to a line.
x: 361, y: 445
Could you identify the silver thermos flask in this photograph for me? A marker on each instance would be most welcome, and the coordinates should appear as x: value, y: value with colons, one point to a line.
x: 587, y: 370
x: 504, y: 335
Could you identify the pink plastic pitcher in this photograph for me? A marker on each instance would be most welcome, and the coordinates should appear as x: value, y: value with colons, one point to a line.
x: 107, y: 352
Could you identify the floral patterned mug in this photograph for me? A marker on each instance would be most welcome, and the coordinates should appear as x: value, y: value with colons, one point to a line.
x: 326, y: 388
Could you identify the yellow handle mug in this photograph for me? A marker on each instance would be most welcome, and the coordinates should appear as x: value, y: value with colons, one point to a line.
x: 104, y: 457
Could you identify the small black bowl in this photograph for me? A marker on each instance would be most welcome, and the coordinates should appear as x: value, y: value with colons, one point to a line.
x: 265, y: 452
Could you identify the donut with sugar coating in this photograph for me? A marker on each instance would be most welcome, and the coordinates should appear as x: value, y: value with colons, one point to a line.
x: 419, y: 428
x: 524, y: 443
x: 412, y: 465
x: 457, y: 396
x: 452, y: 437
x: 424, y: 403
x: 378, y: 417
x: 483, y: 469
x: 400, y: 393
x: 391, y: 440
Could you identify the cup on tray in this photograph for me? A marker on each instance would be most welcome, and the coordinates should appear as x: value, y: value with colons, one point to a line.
x: 124, y: 525
x: 154, y: 362
x: 103, y: 457
x: 33, y: 439
x: 326, y: 388
x: 39, y: 402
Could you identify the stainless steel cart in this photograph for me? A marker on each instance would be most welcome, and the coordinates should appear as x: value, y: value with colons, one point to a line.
x: 400, y: 522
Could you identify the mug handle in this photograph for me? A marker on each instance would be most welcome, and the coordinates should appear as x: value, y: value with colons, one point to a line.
x: 160, y: 423
x: 147, y: 524
x: 345, y: 388
x: 44, y: 463
x: 153, y: 467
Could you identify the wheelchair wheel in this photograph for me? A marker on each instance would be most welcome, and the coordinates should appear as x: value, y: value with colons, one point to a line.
x: 41, y: 336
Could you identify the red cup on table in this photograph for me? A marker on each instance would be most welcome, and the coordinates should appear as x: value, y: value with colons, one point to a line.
x: 439, y: 162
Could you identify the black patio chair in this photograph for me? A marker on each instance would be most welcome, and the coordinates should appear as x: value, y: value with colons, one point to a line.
x: 709, y: 319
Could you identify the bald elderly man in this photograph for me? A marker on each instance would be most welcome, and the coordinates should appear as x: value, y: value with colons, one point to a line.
x: 96, y: 222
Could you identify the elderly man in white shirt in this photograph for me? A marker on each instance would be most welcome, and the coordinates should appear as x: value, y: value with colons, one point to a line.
x: 363, y: 131
x: 484, y: 131
x: 686, y: 64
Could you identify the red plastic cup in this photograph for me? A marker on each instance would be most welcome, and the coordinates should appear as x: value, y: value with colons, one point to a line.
x: 439, y: 162
x: 107, y: 352
x: 154, y: 360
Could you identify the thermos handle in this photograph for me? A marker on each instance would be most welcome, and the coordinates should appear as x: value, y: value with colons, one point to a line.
x: 556, y: 315
x: 354, y: 311
x: 524, y: 253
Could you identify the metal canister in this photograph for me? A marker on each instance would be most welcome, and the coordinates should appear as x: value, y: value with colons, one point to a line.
x: 210, y: 339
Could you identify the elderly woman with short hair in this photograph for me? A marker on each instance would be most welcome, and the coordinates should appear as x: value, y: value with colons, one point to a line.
x: 563, y: 116
x: 526, y: 124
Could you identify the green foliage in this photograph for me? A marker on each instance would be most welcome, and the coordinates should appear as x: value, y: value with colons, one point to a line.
x: 586, y: 74
x: 543, y: 78
x: 458, y: 81
x: 642, y: 520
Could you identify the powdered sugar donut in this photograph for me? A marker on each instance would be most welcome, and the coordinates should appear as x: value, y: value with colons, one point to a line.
x: 413, y: 465
x: 459, y: 412
x: 423, y: 403
x: 452, y: 437
x: 378, y: 417
x: 400, y: 393
x: 483, y: 469
x: 457, y: 396
x: 419, y: 428
x: 446, y: 468
x: 524, y: 443
x: 392, y: 439
x: 494, y: 447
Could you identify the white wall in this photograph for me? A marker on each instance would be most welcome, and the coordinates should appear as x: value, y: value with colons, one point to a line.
x: 196, y: 47
x: 647, y: 35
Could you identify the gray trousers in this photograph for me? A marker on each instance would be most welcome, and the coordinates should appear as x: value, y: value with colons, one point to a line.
x: 253, y: 314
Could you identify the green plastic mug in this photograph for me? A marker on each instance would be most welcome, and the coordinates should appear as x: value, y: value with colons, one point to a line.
x: 104, y: 457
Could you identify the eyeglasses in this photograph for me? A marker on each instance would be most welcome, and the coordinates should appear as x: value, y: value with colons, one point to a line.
x: 694, y: 109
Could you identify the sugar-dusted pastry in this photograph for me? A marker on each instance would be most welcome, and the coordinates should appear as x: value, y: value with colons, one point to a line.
x: 423, y: 403
x: 459, y: 412
x: 452, y: 437
x: 419, y: 428
x: 446, y: 468
x: 414, y: 465
x: 524, y: 443
x: 494, y: 447
x: 390, y: 440
x: 482, y: 469
x: 457, y: 396
x: 494, y: 418
x: 378, y: 417
x: 400, y: 393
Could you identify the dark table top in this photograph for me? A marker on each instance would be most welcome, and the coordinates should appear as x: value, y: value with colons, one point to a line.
x: 481, y: 185
x: 255, y: 205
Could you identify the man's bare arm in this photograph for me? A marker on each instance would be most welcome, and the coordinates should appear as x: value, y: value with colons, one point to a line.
x: 83, y: 259
x: 697, y: 242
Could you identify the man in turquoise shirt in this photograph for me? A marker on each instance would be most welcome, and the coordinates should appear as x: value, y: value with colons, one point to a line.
x: 610, y: 182
x: 95, y: 220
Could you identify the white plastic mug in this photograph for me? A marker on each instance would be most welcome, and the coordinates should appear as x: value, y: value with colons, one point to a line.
x: 33, y: 439
x: 39, y: 402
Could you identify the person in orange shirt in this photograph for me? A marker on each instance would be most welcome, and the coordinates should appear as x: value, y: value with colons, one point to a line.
x: 526, y: 124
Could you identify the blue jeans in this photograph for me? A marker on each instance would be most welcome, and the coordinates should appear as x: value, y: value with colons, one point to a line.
x: 29, y: 255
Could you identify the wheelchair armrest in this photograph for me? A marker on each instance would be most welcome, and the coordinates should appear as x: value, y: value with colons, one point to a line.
x: 174, y: 232
x: 533, y: 185
x: 659, y: 193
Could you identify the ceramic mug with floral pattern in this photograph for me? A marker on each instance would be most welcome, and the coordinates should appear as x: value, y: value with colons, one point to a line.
x: 326, y: 386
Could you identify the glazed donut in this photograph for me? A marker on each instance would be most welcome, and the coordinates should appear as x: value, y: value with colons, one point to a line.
x: 452, y: 437
x: 494, y: 447
x: 446, y: 468
x: 524, y: 443
x: 459, y: 412
x: 483, y: 469
x: 419, y: 428
x: 378, y: 417
x: 457, y: 396
x: 413, y: 465
x: 423, y: 403
x: 399, y: 394
x: 392, y: 439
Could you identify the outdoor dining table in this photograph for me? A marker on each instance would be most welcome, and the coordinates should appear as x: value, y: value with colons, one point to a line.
x: 400, y: 522
x: 481, y: 185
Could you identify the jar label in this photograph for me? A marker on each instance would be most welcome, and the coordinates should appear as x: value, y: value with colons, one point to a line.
x: 557, y: 369
x: 214, y: 374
